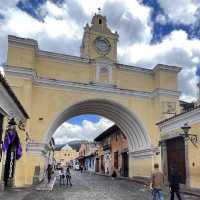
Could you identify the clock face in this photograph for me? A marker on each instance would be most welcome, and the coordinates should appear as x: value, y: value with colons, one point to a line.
x: 102, y: 45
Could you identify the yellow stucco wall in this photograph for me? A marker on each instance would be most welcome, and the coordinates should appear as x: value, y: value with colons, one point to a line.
x: 140, y: 167
x: 194, y: 158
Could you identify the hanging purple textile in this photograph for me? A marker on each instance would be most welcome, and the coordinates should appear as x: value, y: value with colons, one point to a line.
x: 10, y: 137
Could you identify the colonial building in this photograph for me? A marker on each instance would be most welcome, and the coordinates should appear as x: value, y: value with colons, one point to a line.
x: 112, y: 152
x: 55, y: 87
x: 10, y: 164
x: 87, y: 154
x: 65, y: 156
x: 180, y: 144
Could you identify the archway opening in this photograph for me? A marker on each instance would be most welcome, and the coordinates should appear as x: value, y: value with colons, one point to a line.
x: 92, y: 143
x: 127, y: 121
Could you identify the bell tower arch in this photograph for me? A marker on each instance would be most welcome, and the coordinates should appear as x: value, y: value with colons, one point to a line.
x: 98, y: 40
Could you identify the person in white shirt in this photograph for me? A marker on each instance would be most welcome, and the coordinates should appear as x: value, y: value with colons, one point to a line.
x: 68, y: 176
x: 62, y: 176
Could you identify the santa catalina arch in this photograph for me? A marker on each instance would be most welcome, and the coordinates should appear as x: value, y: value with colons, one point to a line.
x: 54, y: 87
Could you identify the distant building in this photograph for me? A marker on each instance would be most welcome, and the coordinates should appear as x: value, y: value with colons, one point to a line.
x: 87, y: 155
x: 65, y: 156
x: 112, y: 152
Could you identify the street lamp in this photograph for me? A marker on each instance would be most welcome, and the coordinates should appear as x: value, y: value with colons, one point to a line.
x: 192, y: 137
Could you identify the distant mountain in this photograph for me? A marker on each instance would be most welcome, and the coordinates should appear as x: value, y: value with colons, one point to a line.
x: 58, y: 147
x: 76, y: 144
x: 73, y: 144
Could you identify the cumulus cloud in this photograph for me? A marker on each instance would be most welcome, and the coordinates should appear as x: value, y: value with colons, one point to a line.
x: 61, y: 30
x: 175, y: 49
x: 130, y: 19
x: 86, y: 131
x: 1, y: 71
x: 181, y: 11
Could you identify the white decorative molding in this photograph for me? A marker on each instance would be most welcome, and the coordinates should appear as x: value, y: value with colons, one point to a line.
x: 25, y: 41
x: 107, y: 65
x: 131, y: 126
x: 66, y: 85
x: 167, y: 68
x: 63, y: 57
x: 133, y: 68
x: 9, y: 106
x: 178, y: 121
x: 35, y: 147
x: 144, y: 153
x: 148, y: 71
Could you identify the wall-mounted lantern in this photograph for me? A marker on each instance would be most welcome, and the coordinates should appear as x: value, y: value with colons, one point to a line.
x: 192, y: 137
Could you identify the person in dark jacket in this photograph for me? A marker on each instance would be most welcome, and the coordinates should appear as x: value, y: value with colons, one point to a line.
x: 174, y: 181
x: 49, y: 172
x: 68, y: 177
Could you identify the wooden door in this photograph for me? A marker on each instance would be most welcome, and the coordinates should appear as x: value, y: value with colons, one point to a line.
x: 97, y: 165
x: 125, y: 164
x: 102, y: 164
x: 176, y: 156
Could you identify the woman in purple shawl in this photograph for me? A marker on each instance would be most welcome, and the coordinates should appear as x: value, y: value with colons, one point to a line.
x: 11, y: 138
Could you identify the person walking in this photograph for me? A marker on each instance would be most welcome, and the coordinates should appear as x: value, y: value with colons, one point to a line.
x: 68, y: 177
x: 49, y: 172
x: 62, y: 176
x: 174, y: 181
x: 157, y: 182
x: 81, y: 168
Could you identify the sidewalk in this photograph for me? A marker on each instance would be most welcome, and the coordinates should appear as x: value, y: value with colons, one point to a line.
x: 45, y: 186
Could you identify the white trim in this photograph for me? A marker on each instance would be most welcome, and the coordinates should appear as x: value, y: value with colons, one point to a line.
x: 35, y: 147
x: 167, y: 68
x: 148, y: 71
x: 25, y: 41
x: 66, y: 85
x: 9, y: 106
x: 104, y: 64
x: 127, y: 121
x: 63, y: 57
x: 177, y: 122
x: 133, y: 68
x: 143, y: 153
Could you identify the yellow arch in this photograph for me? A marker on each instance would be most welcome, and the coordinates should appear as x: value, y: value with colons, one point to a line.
x: 128, y: 122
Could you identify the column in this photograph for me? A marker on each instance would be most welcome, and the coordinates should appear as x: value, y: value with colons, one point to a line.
x: 187, y: 164
x: 164, y: 162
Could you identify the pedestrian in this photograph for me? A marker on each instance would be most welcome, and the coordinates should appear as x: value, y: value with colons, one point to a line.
x: 68, y: 177
x: 49, y: 172
x: 81, y: 168
x: 114, y: 174
x: 157, y: 182
x: 174, y: 181
x: 62, y: 176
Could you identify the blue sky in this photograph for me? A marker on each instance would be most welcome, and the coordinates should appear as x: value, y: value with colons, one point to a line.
x: 150, y: 32
x: 79, y: 119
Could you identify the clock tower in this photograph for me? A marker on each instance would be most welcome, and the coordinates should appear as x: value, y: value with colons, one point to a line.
x: 98, y: 42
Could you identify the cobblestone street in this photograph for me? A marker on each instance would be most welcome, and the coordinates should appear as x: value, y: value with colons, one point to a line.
x: 84, y: 187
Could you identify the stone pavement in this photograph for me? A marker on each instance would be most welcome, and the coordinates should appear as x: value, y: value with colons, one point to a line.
x: 87, y: 187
